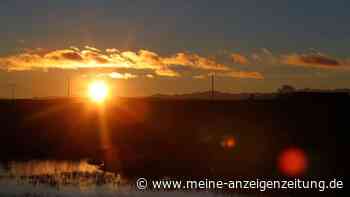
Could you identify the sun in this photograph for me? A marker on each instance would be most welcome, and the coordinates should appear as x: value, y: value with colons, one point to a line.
x: 98, y: 91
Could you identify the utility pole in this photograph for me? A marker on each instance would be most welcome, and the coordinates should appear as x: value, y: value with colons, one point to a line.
x: 13, y: 90
x: 33, y: 89
x: 12, y: 87
x: 213, y: 85
x: 68, y: 87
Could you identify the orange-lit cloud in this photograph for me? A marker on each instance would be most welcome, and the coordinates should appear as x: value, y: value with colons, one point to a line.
x: 150, y: 76
x: 112, y: 50
x: 239, y: 59
x: 90, y: 57
x: 199, y: 77
x: 117, y: 75
x: 312, y: 59
x: 234, y: 74
x: 195, y: 61
x: 243, y: 75
x: 92, y: 49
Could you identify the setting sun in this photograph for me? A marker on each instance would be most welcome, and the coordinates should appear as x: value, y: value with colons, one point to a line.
x: 98, y: 91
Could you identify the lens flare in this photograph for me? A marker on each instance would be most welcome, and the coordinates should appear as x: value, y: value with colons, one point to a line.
x: 229, y: 142
x: 293, y: 162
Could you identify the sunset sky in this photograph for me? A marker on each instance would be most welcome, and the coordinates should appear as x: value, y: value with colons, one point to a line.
x: 148, y: 47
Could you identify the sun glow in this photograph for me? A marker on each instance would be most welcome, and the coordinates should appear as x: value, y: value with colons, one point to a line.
x: 98, y: 91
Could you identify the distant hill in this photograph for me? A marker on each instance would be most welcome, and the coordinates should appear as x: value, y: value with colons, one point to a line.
x: 207, y: 95
x: 343, y: 90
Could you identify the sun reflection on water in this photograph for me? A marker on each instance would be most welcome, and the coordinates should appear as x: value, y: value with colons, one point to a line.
x: 59, y: 174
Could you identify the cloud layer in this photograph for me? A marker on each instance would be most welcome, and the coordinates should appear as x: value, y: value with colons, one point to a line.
x: 90, y: 57
x: 239, y: 59
x: 311, y: 59
x: 314, y: 60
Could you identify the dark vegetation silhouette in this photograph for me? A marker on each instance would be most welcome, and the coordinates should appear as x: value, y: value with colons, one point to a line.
x: 285, y: 89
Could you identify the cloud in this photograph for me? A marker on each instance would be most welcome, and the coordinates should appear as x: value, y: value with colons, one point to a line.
x: 243, y: 75
x: 239, y: 59
x: 93, y: 58
x: 117, y: 75
x: 234, y: 74
x: 257, y: 57
x: 312, y: 59
x: 195, y: 61
x: 150, y: 76
x: 199, y: 77
x: 92, y: 49
x: 63, y: 55
x: 264, y: 56
x: 112, y: 50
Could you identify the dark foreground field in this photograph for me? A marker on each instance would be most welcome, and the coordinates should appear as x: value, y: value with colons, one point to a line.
x: 145, y: 137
